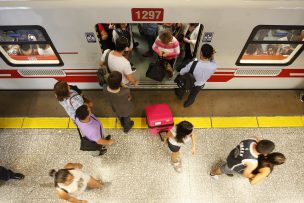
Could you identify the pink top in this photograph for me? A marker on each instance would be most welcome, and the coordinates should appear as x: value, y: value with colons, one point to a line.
x: 172, y: 48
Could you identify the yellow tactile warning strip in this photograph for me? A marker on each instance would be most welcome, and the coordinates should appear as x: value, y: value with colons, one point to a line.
x: 198, y: 122
x: 234, y: 122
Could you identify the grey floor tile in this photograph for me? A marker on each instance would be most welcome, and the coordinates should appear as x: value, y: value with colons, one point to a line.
x: 138, y: 167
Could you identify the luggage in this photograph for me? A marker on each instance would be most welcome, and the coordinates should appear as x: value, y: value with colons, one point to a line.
x: 156, y: 71
x: 159, y: 118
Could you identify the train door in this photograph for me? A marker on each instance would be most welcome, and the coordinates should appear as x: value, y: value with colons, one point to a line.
x: 145, y: 45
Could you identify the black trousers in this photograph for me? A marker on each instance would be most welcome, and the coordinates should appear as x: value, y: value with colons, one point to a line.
x: 125, y: 122
x: 5, y: 174
x: 192, y: 95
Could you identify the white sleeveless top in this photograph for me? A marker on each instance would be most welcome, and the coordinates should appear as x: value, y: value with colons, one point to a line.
x: 173, y: 140
x: 79, y: 183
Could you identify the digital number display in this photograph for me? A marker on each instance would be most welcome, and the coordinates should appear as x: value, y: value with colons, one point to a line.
x: 147, y: 14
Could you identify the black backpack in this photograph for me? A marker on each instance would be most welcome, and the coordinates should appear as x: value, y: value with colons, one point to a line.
x: 186, y: 81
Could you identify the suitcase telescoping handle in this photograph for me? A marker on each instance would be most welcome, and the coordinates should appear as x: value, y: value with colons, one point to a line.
x: 162, y: 134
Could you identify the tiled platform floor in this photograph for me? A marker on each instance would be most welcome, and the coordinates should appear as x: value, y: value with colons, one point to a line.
x: 138, y: 167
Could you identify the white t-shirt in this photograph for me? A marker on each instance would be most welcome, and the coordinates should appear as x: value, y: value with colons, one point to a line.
x: 45, y: 52
x: 173, y: 141
x: 79, y: 183
x: 117, y: 63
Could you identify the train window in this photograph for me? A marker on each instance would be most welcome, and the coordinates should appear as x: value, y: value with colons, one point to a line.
x: 27, y: 46
x: 272, y: 45
x: 147, y: 43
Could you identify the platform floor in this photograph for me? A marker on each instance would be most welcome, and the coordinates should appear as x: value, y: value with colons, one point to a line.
x: 139, y: 170
x: 208, y: 103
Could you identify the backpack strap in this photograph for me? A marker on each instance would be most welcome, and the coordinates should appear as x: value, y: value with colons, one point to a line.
x: 193, y: 66
x: 72, y: 98
x: 107, y: 60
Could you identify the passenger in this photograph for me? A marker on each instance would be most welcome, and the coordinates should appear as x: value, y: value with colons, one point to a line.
x: 106, y: 34
x: 149, y: 30
x: 117, y: 62
x: 13, y: 49
x: 243, y: 159
x: 179, y: 32
x: 71, y: 181
x: 271, y: 49
x: 124, y: 30
x: 166, y: 46
x: 91, y: 128
x: 45, y: 50
x: 179, y: 135
x: 70, y: 98
x: 6, y: 174
x: 204, y: 69
x: 266, y: 165
x: 120, y: 100
x: 190, y: 40
x: 27, y: 50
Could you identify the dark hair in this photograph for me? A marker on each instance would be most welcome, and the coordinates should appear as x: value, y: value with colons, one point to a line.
x: 166, y: 36
x: 183, y: 129
x: 114, y: 80
x: 207, y: 51
x: 25, y: 47
x: 43, y: 46
x: 60, y: 176
x: 61, y: 89
x: 265, y: 146
x: 276, y: 158
x: 82, y: 112
x: 121, y: 43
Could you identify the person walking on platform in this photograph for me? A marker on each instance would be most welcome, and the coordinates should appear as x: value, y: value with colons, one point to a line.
x: 71, y: 181
x: 176, y: 137
x: 70, y: 97
x: 120, y: 100
x: 91, y: 128
x: 6, y: 174
x: 203, y: 70
x: 117, y: 62
x: 266, y: 165
x: 243, y: 159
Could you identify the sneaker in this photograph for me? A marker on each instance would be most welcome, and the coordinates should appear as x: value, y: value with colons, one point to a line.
x: 108, y: 137
x: 214, y: 177
x: 18, y: 176
x: 102, y: 151
x: 177, y: 166
x: 187, y: 104
x: 302, y: 97
x: 132, y: 67
x: 229, y: 175
x: 126, y: 130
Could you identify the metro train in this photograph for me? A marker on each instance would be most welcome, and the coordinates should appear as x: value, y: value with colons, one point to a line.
x: 259, y: 44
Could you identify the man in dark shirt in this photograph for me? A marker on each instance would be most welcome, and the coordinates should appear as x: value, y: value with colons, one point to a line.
x: 243, y: 159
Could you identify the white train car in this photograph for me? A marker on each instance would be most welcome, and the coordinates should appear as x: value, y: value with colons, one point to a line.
x: 258, y: 44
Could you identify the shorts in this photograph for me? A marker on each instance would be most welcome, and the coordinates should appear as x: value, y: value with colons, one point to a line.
x: 226, y: 170
x: 173, y: 148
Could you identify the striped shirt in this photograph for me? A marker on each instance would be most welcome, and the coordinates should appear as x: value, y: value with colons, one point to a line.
x: 172, y: 48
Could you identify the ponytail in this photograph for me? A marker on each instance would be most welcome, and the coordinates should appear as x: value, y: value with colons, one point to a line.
x: 60, y: 176
x: 52, y: 173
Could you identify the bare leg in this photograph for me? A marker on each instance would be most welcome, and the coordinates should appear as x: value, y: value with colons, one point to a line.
x: 93, y: 183
x: 174, y: 157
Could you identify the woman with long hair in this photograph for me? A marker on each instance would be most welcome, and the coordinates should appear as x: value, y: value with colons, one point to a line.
x: 176, y: 137
x: 266, y: 165
x: 72, y: 181
x: 70, y: 97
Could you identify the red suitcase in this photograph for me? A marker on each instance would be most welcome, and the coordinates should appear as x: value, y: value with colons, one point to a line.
x: 159, y: 118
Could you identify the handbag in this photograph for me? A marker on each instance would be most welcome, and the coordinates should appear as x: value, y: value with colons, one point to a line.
x: 104, y: 71
x: 156, y: 71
